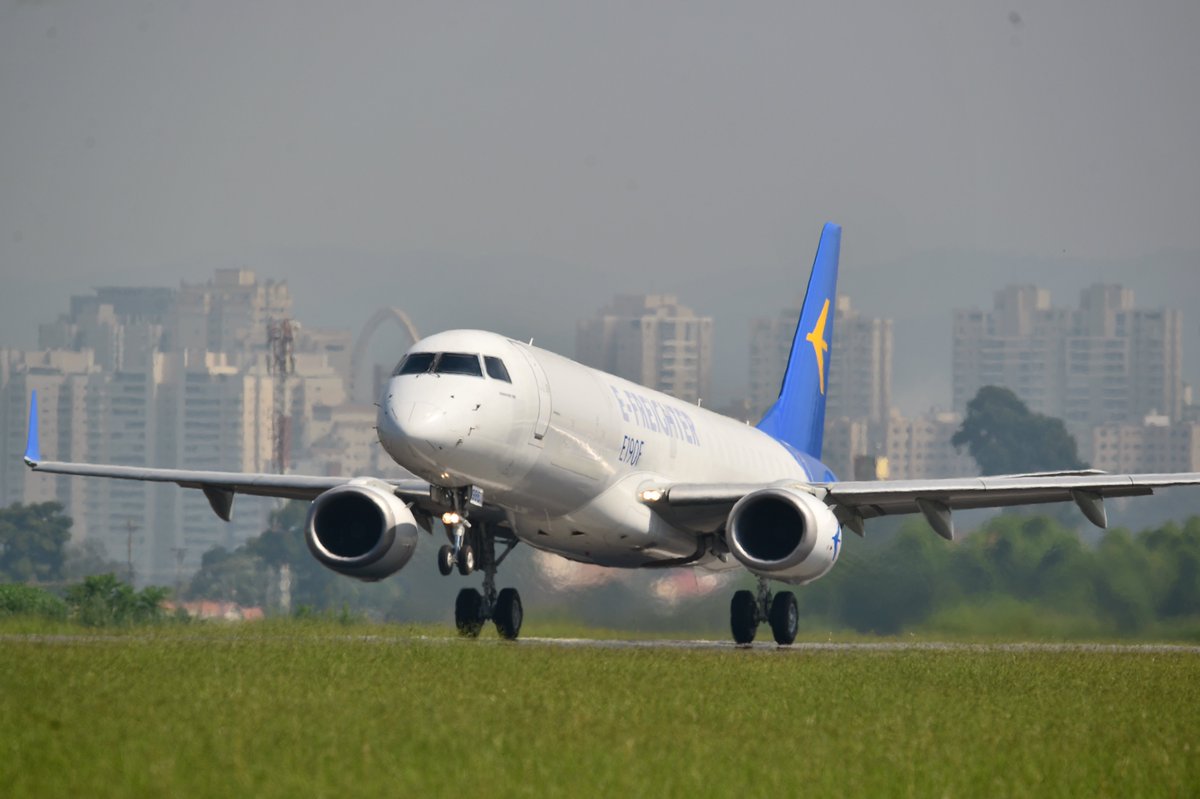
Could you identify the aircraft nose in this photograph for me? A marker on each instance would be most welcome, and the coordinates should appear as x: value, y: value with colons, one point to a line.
x: 420, y: 427
x: 422, y: 420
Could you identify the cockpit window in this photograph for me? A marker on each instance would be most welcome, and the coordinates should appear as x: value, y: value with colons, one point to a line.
x: 458, y: 363
x: 414, y: 363
x: 443, y: 363
x: 496, y: 369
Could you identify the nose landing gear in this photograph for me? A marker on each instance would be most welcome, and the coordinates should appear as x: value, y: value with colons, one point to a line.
x: 471, y: 548
x: 459, y: 552
x: 747, y: 611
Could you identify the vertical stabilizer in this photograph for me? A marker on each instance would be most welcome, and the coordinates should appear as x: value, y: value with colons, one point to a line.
x: 798, y: 417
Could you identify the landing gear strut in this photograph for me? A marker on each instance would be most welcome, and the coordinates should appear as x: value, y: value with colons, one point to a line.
x: 472, y: 548
x: 748, y: 610
x: 459, y: 552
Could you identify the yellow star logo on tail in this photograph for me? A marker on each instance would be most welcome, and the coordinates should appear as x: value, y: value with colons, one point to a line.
x: 820, y: 345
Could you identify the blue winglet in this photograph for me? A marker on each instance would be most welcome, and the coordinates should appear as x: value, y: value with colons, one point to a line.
x: 33, y: 452
x: 798, y: 417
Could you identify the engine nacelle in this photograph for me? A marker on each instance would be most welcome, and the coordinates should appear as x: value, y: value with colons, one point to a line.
x: 784, y: 534
x: 361, y: 530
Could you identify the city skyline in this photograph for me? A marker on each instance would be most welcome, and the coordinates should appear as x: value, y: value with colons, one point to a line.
x: 338, y: 341
x: 916, y: 388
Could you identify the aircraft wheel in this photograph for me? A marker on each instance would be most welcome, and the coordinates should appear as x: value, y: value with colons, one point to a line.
x: 743, y: 616
x: 509, y: 614
x: 466, y: 560
x: 445, y: 559
x: 785, y: 618
x: 467, y: 616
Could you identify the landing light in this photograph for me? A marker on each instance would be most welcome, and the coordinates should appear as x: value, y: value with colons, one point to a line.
x: 652, y: 495
x: 451, y: 518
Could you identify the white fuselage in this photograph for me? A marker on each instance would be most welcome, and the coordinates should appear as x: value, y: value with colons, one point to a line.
x: 565, y: 449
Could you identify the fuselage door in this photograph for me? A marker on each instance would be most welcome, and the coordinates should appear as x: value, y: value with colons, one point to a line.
x: 543, y: 393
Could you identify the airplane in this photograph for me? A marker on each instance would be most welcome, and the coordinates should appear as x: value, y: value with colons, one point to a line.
x: 510, y: 443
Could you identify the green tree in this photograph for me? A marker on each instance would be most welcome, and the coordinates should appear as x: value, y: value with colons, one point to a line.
x: 33, y: 539
x: 283, y: 540
x: 103, y: 599
x: 1125, y: 584
x: 89, y: 557
x: 1005, y: 437
x: 246, y: 574
x: 1175, y: 555
x: 1017, y: 575
x: 235, y: 576
x: 905, y: 583
x: 27, y: 600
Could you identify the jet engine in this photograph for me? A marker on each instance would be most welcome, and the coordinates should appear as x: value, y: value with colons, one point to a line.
x: 361, y: 530
x: 783, y: 534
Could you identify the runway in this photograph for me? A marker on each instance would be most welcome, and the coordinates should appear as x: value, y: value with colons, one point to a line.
x: 807, y: 647
x: 698, y: 645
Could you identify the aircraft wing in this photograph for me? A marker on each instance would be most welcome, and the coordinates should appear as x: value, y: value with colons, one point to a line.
x: 855, y: 501
x: 285, y: 486
x: 220, y: 487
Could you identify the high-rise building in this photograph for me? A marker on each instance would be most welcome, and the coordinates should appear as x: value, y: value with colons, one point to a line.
x: 121, y: 326
x: 905, y: 448
x: 128, y: 377
x: 1104, y: 362
x: 211, y: 415
x: 62, y: 381
x: 230, y: 313
x: 652, y: 340
x: 336, y: 345
x: 859, y: 376
x: 345, y: 443
x: 845, y: 441
x: 919, y: 448
x: 1156, y: 445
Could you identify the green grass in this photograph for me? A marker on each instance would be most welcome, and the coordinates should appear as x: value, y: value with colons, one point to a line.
x: 322, y: 709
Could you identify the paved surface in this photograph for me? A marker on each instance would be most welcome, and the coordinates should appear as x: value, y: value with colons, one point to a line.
x: 802, y: 647
x: 761, y: 646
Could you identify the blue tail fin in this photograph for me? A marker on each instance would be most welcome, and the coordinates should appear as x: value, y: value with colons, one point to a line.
x: 798, y: 417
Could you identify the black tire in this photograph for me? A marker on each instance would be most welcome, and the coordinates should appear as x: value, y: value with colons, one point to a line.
x: 743, y: 617
x: 466, y: 560
x: 509, y: 614
x: 785, y: 618
x: 467, y: 615
x: 445, y: 558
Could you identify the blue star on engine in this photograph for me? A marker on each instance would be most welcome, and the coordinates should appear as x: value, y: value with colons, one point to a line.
x: 837, y: 541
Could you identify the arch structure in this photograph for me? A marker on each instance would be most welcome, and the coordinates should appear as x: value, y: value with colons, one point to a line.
x: 362, y: 343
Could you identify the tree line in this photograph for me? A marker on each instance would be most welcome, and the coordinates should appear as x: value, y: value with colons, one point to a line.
x: 1017, y: 574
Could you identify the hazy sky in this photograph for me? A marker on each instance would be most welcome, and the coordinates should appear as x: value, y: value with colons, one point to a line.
x: 513, y: 165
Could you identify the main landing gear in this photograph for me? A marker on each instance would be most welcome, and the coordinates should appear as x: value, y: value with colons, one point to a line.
x: 747, y: 611
x: 473, y: 548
